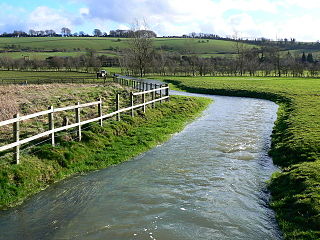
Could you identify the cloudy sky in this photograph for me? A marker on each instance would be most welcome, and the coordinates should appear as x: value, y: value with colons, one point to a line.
x: 247, y: 18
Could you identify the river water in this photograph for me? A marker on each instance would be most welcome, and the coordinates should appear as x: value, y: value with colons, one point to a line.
x: 207, y: 182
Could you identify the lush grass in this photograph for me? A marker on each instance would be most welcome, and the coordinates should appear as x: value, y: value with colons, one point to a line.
x: 101, y: 147
x: 43, y: 55
x: 196, y: 46
x: 69, y: 43
x: 72, y: 46
x: 44, y: 74
x: 40, y: 55
x: 113, y: 69
x: 47, y: 77
x: 110, y: 46
x: 295, y: 143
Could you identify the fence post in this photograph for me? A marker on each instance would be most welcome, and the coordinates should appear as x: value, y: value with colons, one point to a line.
x: 78, y: 121
x: 118, y: 106
x: 132, y: 104
x: 161, y: 93
x: 144, y: 101
x: 100, y: 111
x: 153, y: 94
x: 167, y: 92
x: 16, y: 138
x: 51, y: 125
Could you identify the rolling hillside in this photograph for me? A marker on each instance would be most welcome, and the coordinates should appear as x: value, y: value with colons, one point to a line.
x: 43, y: 47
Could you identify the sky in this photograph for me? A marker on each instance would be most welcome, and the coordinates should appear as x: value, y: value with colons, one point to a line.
x: 274, y: 19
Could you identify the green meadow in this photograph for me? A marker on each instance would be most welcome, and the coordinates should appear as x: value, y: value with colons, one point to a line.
x: 295, y: 143
x: 68, y: 43
x: 43, y: 47
x: 71, y: 46
x: 43, y: 74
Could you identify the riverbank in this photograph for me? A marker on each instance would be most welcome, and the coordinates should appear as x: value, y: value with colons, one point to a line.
x: 295, y: 143
x: 101, y: 147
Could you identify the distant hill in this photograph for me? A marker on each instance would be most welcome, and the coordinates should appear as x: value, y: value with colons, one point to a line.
x: 70, y: 46
x: 43, y: 47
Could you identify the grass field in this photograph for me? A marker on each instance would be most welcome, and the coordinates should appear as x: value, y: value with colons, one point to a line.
x: 69, y: 44
x: 295, y: 143
x: 43, y: 55
x: 43, y: 47
x: 45, y: 74
x: 19, y: 77
x: 109, y: 46
x: 40, y: 55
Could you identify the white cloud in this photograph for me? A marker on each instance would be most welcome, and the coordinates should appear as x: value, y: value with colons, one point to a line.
x: 175, y: 17
x: 300, y: 27
x: 250, y: 18
x: 306, y: 4
x: 47, y: 18
x: 84, y: 11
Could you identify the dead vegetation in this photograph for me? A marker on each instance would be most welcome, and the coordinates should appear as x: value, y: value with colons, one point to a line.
x: 35, y: 98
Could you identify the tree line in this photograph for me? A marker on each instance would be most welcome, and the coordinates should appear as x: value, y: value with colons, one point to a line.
x: 141, y: 58
x: 66, y: 32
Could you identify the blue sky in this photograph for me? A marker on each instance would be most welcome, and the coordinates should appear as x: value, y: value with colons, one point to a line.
x: 244, y: 18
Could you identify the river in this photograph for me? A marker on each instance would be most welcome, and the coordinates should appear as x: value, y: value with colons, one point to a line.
x: 206, y: 182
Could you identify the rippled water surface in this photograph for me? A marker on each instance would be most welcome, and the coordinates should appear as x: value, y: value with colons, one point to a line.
x: 207, y: 182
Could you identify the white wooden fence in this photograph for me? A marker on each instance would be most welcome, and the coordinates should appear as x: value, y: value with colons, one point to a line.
x: 154, y: 90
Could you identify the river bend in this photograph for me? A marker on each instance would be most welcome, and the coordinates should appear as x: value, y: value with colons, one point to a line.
x: 207, y: 182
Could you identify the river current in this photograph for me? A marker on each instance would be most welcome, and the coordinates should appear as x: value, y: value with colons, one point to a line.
x: 206, y: 182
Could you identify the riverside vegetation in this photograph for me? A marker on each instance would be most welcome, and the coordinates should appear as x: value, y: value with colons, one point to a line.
x: 295, y: 143
x: 114, y: 142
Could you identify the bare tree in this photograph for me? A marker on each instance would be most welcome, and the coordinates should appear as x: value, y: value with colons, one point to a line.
x: 240, y: 49
x: 141, y: 48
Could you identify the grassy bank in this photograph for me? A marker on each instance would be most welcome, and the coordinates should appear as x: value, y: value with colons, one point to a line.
x: 295, y: 144
x: 101, y: 147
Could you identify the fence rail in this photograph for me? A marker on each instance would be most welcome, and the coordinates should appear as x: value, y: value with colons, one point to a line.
x: 17, y: 142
